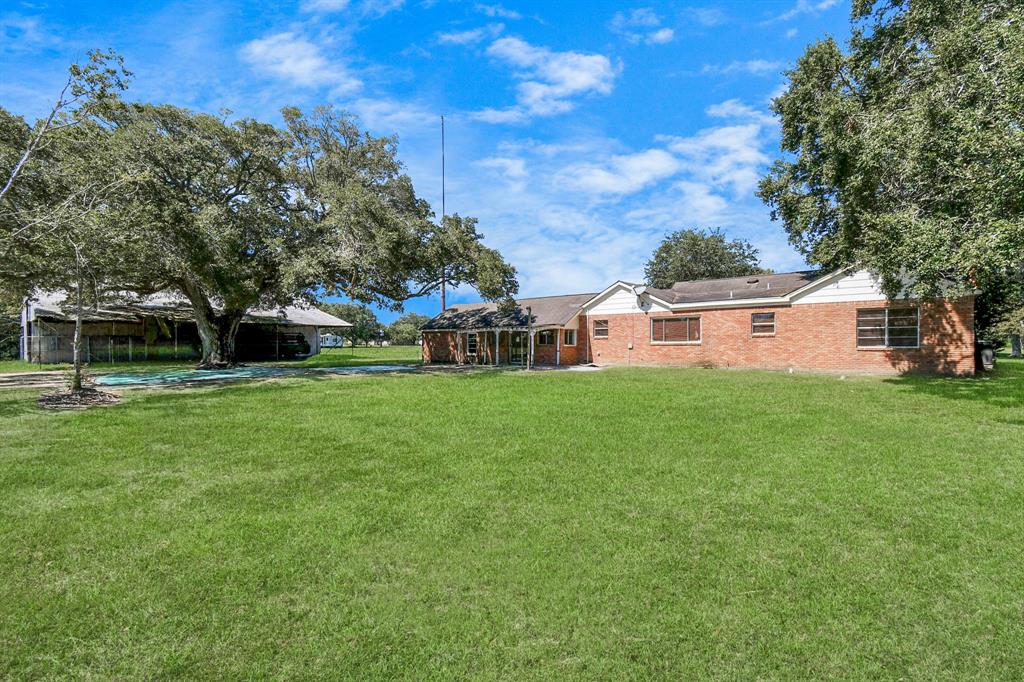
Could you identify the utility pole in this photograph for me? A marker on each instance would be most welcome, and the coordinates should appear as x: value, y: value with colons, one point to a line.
x: 444, y: 212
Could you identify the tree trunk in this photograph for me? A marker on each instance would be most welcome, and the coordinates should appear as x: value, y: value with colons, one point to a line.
x: 217, y: 330
x: 1015, y: 345
x: 217, y: 333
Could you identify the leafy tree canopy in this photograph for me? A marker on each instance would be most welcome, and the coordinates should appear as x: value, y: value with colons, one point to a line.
x: 697, y: 254
x: 405, y: 331
x: 905, y: 151
x: 241, y: 214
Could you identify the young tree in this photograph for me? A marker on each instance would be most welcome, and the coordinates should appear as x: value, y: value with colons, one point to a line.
x: 88, y: 88
x: 905, y: 152
x: 243, y: 214
x: 60, y: 182
x: 365, y: 326
x: 697, y: 254
x: 405, y: 331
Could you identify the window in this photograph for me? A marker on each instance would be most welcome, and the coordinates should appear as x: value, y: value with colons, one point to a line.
x: 675, y: 330
x: 471, y: 343
x: 546, y: 337
x: 762, y: 324
x: 888, y: 328
x: 600, y: 329
x: 570, y: 337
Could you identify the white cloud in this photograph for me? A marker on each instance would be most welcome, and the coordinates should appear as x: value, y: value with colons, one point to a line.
x: 378, y: 8
x: 754, y: 67
x: 791, y: 33
x: 622, y: 174
x: 549, y: 80
x: 498, y: 11
x: 735, y: 109
x: 661, y: 36
x: 805, y: 7
x: 388, y: 116
x: 20, y: 33
x: 472, y: 36
x: 706, y: 16
x: 367, y: 8
x: 510, y: 168
x: 641, y: 25
x: 730, y: 157
x: 324, y: 5
x: 291, y: 57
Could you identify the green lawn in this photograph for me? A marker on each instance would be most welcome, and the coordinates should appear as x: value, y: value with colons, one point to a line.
x: 329, y: 357
x: 342, y: 357
x: 624, y: 524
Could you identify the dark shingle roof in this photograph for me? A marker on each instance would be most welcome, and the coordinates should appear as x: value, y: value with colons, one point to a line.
x: 732, y: 288
x: 546, y: 310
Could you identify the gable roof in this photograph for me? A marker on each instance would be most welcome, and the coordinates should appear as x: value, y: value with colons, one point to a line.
x: 547, y: 311
x: 173, y: 306
x: 775, y: 285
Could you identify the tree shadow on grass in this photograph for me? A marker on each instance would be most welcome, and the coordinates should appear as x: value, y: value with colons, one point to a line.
x: 17, y: 404
x: 1003, y: 387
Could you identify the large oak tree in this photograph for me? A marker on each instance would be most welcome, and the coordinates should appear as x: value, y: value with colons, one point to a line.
x: 243, y: 214
x: 904, y: 152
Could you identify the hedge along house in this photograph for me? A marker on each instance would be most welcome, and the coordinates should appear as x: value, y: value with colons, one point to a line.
x: 162, y: 327
x: 838, y: 321
x: 542, y: 331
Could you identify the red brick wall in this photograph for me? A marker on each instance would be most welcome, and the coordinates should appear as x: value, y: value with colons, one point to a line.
x: 820, y: 336
x: 443, y: 347
x: 438, y: 347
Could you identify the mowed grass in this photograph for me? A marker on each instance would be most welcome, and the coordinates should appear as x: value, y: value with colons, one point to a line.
x: 362, y: 355
x: 624, y: 524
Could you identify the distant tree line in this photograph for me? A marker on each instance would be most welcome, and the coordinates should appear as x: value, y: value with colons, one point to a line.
x: 366, y: 329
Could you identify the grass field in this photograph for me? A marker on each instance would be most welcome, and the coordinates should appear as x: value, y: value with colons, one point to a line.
x: 329, y: 357
x: 624, y: 524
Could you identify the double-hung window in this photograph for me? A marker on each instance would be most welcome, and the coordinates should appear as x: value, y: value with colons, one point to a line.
x: 570, y: 337
x: 471, y: 343
x: 889, y: 327
x: 600, y: 329
x: 675, y: 330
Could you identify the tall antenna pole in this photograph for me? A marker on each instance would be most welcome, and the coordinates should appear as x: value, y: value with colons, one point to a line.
x: 443, y: 212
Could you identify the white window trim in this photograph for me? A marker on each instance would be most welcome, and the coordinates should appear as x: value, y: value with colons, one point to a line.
x: 565, y: 342
x: 886, y: 345
x: 607, y: 329
x: 476, y: 342
x: 755, y: 324
x: 700, y: 326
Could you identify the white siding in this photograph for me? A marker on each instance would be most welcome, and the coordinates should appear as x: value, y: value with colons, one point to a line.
x: 856, y: 286
x: 620, y: 301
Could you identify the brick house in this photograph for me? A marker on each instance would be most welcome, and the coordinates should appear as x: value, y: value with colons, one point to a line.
x: 838, y: 321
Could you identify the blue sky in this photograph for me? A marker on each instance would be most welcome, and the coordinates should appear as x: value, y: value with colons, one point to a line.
x: 579, y: 133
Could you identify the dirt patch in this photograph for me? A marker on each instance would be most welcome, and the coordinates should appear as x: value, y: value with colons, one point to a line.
x: 78, y: 400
